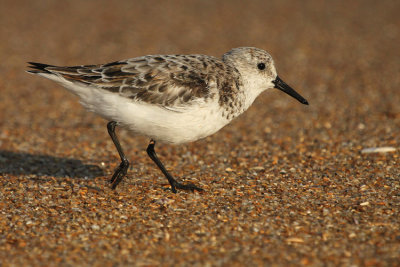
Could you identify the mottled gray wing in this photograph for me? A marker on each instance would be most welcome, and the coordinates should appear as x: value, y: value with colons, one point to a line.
x: 172, y: 80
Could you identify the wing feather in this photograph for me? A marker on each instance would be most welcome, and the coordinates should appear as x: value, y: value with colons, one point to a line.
x: 166, y: 80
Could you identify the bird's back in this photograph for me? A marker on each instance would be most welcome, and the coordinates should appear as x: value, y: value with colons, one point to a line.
x: 166, y: 80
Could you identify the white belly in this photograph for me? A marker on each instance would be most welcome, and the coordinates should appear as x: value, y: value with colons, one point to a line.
x: 181, y: 125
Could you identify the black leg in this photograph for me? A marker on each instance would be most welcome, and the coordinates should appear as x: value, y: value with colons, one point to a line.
x: 122, y: 169
x: 174, y: 184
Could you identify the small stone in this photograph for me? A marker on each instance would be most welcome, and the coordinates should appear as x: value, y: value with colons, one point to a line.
x: 294, y: 240
x: 258, y: 168
x: 361, y: 126
x: 325, y: 211
x: 384, y: 149
x: 363, y: 188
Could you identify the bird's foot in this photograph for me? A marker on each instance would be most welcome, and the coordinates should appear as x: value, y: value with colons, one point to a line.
x: 119, y: 174
x: 188, y: 186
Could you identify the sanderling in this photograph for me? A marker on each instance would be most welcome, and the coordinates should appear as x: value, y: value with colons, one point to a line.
x: 170, y: 98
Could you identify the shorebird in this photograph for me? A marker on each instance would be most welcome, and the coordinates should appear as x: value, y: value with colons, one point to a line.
x: 170, y: 98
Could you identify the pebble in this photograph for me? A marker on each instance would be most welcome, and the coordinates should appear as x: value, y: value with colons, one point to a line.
x: 384, y: 149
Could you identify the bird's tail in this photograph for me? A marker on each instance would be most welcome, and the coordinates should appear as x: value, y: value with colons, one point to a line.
x: 39, y: 68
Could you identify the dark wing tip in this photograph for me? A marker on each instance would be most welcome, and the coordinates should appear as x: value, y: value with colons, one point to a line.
x: 38, y: 67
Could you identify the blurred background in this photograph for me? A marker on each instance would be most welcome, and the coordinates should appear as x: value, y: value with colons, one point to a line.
x: 342, y: 56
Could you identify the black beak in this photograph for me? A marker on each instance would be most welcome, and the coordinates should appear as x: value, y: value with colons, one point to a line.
x: 281, y: 85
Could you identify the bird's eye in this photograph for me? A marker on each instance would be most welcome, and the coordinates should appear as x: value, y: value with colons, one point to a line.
x: 261, y: 66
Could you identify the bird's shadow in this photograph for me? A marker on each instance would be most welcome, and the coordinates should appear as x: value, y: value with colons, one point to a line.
x: 19, y: 163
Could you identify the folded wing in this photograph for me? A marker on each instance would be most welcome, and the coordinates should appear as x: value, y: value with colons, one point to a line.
x: 169, y: 81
